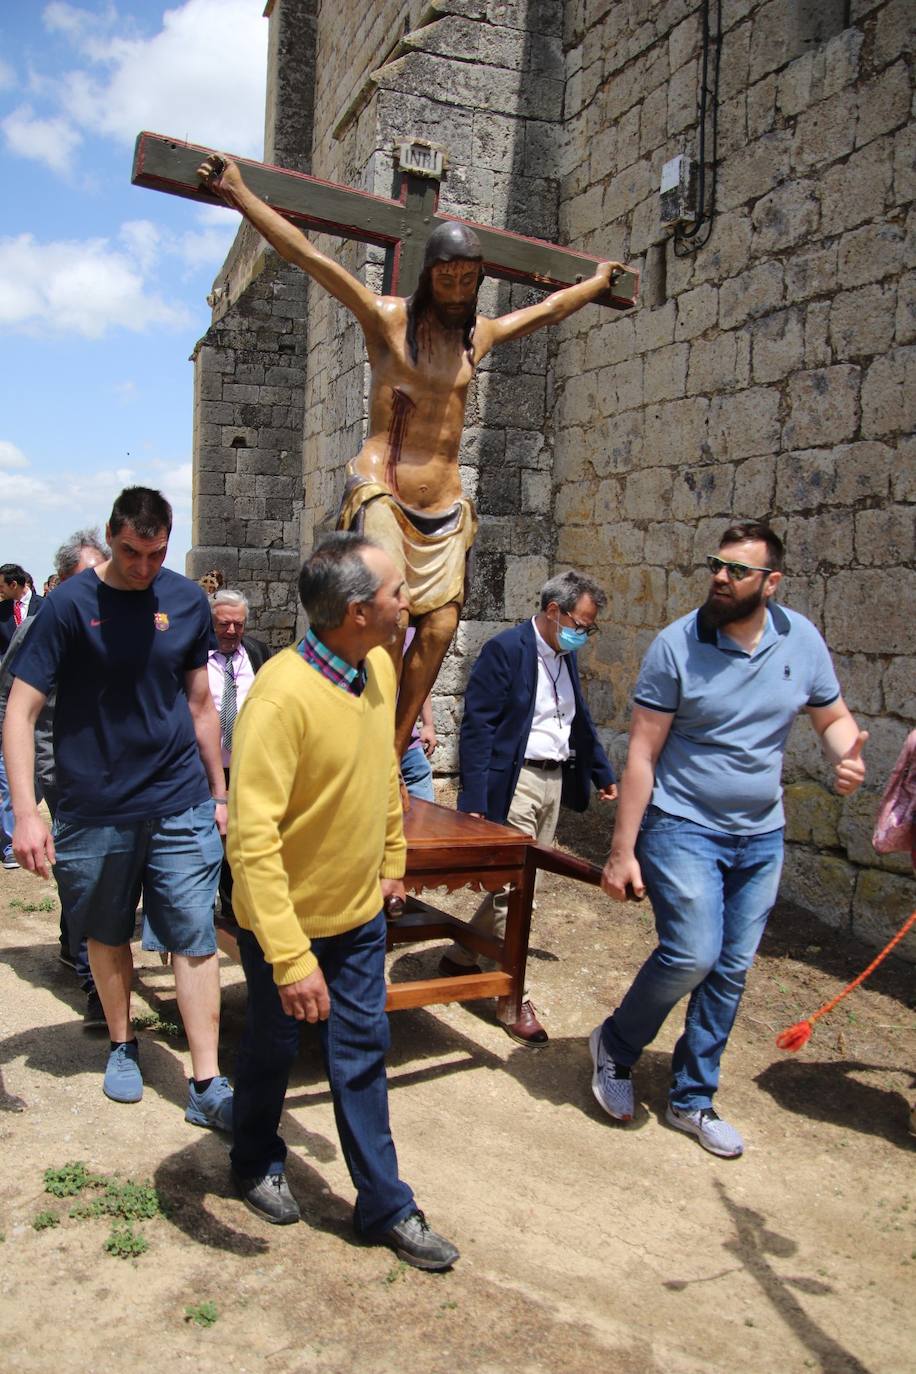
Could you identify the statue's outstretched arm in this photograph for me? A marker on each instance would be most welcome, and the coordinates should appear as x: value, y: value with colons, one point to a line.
x: 222, y: 176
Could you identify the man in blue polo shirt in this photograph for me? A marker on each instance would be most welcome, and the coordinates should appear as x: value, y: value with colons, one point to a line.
x: 700, y: 821
x: 141, y: 792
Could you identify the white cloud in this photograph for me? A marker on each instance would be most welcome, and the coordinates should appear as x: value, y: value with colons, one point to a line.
x: 51, y: 141
x: 11, y: 456
x: 142, y: 240
x: 202, y: 77
x: 40, y: 511
x: 79, y: 287
x: 7, y: 76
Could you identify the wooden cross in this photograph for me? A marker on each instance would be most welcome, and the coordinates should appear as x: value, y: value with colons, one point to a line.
x: 401, y: 226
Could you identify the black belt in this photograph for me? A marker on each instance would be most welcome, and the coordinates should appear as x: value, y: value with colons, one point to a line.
x: 546, y: 764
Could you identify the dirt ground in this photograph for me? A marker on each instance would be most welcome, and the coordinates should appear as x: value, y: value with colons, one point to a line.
x: 585, y: 1245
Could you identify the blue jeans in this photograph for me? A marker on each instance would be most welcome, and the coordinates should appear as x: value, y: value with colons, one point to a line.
x: 7, y: 820
x: 711, y: 894
x: 354, y: 1040
x: 417, y: 772
x: 78, y: 948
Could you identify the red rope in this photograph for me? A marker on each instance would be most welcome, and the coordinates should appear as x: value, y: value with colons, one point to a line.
x: 795, y: 1036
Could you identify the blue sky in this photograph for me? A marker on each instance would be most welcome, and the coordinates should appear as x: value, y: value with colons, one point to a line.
x: 103, y: 285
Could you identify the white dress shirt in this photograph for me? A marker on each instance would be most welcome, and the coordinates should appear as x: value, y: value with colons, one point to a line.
x: 554, y: 705
x: 244, y: 677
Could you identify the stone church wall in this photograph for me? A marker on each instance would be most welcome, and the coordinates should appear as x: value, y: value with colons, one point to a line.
x: 771, y: 373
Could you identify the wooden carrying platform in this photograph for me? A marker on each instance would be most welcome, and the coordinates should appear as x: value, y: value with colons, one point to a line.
x: 453, y: 850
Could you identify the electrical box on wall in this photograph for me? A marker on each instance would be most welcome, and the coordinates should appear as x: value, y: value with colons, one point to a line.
x: 678, y: 191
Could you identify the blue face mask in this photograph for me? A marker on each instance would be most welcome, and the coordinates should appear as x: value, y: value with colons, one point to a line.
x: 570, y: 640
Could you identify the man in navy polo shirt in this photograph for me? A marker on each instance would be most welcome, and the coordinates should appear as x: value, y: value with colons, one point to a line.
x: 700, y: 821
x: 141, y: 793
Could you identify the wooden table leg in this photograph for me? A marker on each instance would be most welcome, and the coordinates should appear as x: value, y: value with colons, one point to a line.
x: 515, y: 946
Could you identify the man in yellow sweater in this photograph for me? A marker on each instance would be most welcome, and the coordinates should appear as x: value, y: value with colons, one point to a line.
x: 316, y: 843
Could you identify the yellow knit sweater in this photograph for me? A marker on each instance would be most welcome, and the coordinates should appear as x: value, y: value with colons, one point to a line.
x: 314, y: 807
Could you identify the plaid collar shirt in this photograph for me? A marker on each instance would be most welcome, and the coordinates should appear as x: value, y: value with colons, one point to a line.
x: 331, y: 666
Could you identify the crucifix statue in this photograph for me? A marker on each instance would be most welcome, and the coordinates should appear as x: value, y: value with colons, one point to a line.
x: 403, y: 488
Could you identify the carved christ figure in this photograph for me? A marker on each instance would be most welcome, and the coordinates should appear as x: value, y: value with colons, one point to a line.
x: 403, y: 487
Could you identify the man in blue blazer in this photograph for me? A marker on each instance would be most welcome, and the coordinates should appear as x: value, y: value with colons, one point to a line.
x: 528, y: 742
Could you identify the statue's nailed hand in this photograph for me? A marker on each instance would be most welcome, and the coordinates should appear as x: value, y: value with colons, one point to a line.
x: 608, y: 272
x: 221, y: 176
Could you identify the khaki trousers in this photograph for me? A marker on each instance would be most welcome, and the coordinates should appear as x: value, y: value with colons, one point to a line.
x: 535, y: 810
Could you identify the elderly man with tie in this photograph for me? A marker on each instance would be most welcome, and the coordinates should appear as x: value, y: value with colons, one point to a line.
x: 231, y: 668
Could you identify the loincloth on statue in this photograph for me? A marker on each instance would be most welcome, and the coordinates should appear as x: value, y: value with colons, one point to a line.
x: 432, y: 551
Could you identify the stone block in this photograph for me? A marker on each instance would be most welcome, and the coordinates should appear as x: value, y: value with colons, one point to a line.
x: 653, y: 124
x: 648, y: 492
x: 905, y: 319
x: 857, y: 189
x: 610, y: 340
x: 666, y: 373
x: 761, y: 107
x: 751, y: 294
x: 685, y: 593
x: 575, y: 504
x: 609, y: 503
x: 765, y: 162
x: 536, y: 491
x: 625, y: 382
x: 745, y: 423
x: 842, y: 476
x: 841, y: 60
x: 682, y: 97
x: 617, y: 545
x: 885, y: 537
x: 905, y: 165
x: 498, y: 490
x: 860, y: 677
x: 772, y: 39
x: 821, y: 541
x: 812, y: 814
x: 619, y: 447
x: 636, y: 596
x: 777, y: 345
x: 817, y: 329
x: 819, y: 883
x: 624, y: 191
x: 862, y: 321
x: 870, y: 253
x: 755, y: 482
x: 655, y: 328
x: 524, y: 579
x: 882, y: 903
x: 888, y: 626
x: 719, y: 364
x: 824, y: 406
x: 796, y: 86
x: 788, y: 215
x: 676, y: 432
x: 668, y: 543
x: 884, y: 103
x: 213, y: 459
x: 702, y: 491
x: 697, y: 311
x: 803, y: 594
x: 889, y: 394
x: 900, y: 688
x: 903, y: 476
x: 825, y: 132
x: 811, y: 272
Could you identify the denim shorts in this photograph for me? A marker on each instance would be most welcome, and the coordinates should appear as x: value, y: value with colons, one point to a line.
x: 174, y: 860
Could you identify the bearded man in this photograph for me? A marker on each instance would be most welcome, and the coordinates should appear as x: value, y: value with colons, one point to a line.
x: 404, y: 487
x: 700, y: 821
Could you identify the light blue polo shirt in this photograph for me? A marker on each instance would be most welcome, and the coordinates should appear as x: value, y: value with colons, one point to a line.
x: 721, y: 764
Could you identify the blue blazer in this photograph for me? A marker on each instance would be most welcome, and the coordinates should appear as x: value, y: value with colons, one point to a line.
x: 498, y: 711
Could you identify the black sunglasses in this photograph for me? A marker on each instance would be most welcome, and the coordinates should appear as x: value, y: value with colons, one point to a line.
x: 737, y: 572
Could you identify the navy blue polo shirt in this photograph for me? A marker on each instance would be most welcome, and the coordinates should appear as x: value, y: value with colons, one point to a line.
x: 124, y: 741
x: 721, y: 764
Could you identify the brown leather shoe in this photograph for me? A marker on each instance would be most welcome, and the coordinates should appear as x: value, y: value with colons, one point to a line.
x: 527, y: 1030
x: 449, y: 969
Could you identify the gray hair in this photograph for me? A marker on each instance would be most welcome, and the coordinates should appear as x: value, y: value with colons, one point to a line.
x: 226, y: 596
x: 68, y: 555
x: 568, y: 588
x: 334, y: 576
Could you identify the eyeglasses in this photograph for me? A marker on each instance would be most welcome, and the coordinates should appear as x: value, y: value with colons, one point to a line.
x: 588, y: 630
x: 227, y: 625
x: 737, y: 572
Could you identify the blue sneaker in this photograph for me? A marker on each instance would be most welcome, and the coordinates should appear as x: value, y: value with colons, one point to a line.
x: 714, y: 1134
x: 211, y: 1108
x: 611, y: 1082
x: 123, y: 1081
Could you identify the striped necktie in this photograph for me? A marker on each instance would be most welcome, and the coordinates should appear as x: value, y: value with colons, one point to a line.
x: 227, y: 707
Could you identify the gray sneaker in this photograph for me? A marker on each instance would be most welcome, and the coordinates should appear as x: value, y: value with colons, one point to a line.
x: 269, y: 1197
x: 714, y: 1134
x: 415, y: 1242
x: 611, y: 1082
